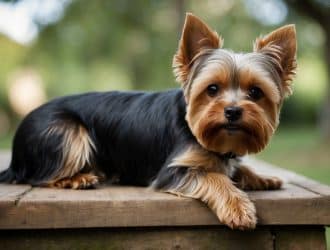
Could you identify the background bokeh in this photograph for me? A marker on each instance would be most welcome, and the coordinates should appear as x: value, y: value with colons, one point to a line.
x: 50, y: 48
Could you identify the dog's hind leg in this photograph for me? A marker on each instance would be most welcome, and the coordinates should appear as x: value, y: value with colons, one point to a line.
x: 52, y: 148
x: 244, y: 178
x: 76, y: 168
x: 78, y: 181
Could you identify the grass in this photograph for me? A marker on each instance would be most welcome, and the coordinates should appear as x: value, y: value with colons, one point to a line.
x: 301, y: 150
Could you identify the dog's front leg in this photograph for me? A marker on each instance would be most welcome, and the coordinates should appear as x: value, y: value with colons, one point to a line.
x: 231, y: 205
x: 246, y: 179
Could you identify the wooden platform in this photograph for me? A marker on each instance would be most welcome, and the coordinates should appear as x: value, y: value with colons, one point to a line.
x: 299, y: 211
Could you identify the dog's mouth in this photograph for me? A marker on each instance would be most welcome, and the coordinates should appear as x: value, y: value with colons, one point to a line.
x: 231, y: 128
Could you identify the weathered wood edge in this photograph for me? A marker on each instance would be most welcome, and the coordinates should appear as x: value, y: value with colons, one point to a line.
x: 112, y: 207
x: 143, y: 238
x: 291, y: 177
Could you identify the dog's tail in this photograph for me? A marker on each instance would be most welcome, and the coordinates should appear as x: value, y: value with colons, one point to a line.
x: 7, y: 176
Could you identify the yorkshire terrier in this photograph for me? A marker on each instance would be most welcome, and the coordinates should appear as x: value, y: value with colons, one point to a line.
x: 185, y: 141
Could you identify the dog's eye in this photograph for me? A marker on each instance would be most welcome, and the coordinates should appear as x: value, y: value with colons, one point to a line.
x: 255, y: 93
x: 212, y: 89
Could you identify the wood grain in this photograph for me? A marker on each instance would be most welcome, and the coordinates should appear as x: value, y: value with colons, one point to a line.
x: 265, y: 168
x: 264, y: 238
x: 300, y: 238
x: 142, y: 238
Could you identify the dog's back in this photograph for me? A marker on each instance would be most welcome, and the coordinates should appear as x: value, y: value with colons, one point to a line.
x: 129, y: 134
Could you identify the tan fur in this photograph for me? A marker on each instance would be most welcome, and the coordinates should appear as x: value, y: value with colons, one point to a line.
x: 250, y: 76
x: 204, y: 111
x: 78, y: 181
x: 281, y: 45
x: 246, y: 179
x: 231, y: 205
x: 77, y: 149
x: 260, y: 121
x: 197, y: 158
x: 196, y: 36
x: 213, y: 73
x: 207, y: 180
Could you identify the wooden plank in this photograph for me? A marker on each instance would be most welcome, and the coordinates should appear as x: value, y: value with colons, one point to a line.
x: 105, y: 207
x: 288, y: 176
x: 144, y: 238
x: 9, y: 197
x: 11, y: 193
x: 292, y: 210
x: 300, y: 238
x: 132, y: 207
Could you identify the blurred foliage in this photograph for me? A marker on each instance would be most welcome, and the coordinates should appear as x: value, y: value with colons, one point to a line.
x: 104, y: 45
x: 301, y: 150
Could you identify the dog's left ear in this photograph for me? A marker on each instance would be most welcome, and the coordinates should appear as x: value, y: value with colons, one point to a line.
x: 281, y: 46
x: 196, y: 36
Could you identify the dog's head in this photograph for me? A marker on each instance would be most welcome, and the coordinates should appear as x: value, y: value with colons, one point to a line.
x: 234, y: 99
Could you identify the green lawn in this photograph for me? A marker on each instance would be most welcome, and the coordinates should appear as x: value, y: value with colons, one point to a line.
x: 303, y: 151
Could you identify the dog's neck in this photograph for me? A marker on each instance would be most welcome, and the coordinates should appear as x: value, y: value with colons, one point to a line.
x: 227, y: 156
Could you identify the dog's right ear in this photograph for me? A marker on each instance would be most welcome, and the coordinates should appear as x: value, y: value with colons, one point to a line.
x: 281, y: 46
x: 196, y: 36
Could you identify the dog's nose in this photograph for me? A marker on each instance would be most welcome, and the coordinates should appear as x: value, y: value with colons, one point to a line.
x: 233, y: 113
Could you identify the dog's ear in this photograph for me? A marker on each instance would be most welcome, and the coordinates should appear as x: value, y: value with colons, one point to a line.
x: 281, y: 46
x: 196, y: 36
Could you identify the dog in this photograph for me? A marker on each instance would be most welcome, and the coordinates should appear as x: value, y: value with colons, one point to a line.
x: 186, y: 141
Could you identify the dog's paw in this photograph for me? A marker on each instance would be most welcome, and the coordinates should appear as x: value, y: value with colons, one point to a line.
x: 275, y: 183
x: 260, y: 183
x: 271, y: 183
x: 246, y: 179
x: 83, y: 181
x: 240, y: 213
x: 79, y: 181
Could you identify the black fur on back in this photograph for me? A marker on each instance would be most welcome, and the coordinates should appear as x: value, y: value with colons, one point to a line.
x: 134, y: 134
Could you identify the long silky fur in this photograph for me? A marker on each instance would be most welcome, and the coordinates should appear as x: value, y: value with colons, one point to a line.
x: 125, y: 134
